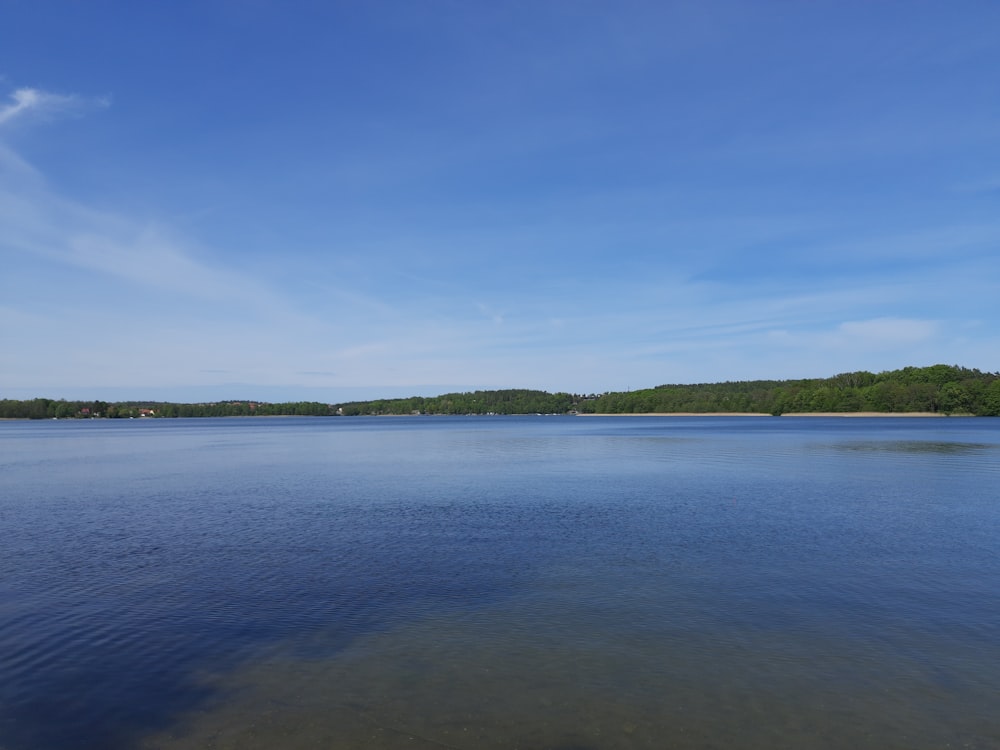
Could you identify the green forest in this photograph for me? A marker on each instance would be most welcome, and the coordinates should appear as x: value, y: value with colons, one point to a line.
x: 939, y: 389
x: 45, y: 408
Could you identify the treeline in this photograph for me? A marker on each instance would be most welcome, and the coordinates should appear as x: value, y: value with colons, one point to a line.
x: 511, y: 401
x: 939, y: 389
x: 44, y: 408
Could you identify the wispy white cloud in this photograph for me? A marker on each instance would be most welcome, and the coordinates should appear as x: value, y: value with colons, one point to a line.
x: 31, y: 102
x: 989, y: 184
x: 83, y: 283
x: 866, y: 344
x: 887, y: 331
x: 495, y: 315
x: 43, y: 224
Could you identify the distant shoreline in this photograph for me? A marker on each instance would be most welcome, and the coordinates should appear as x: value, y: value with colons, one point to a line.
x: 873, y: 414
x: 843, y: 414
x: 854, y: 414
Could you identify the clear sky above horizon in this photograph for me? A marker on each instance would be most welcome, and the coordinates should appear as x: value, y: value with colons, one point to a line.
x: 332, y: 200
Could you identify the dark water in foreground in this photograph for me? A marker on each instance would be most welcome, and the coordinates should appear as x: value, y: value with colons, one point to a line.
x: 500, y: 583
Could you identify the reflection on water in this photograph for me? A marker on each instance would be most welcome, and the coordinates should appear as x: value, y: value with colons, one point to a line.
x: 917, y: 446
x: 507, y: 583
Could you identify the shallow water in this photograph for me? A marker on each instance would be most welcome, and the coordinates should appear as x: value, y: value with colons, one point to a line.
x: 537, y: 582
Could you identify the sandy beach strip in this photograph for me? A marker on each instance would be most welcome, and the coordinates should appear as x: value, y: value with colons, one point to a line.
x: 866, y: 414
x: 764, y: 414
x: 680, y: 414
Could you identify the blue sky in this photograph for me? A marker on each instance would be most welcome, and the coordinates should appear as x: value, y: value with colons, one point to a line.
x: 323, y: 200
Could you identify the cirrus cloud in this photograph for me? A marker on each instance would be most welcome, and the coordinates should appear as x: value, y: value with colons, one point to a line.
x: 31, y: 102
x: 889, y: 331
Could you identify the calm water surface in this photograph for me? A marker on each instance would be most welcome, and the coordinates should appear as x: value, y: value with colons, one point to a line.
x: 537, y: 582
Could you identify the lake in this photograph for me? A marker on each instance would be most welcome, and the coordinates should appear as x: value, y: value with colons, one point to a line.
x: 500, y: 582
